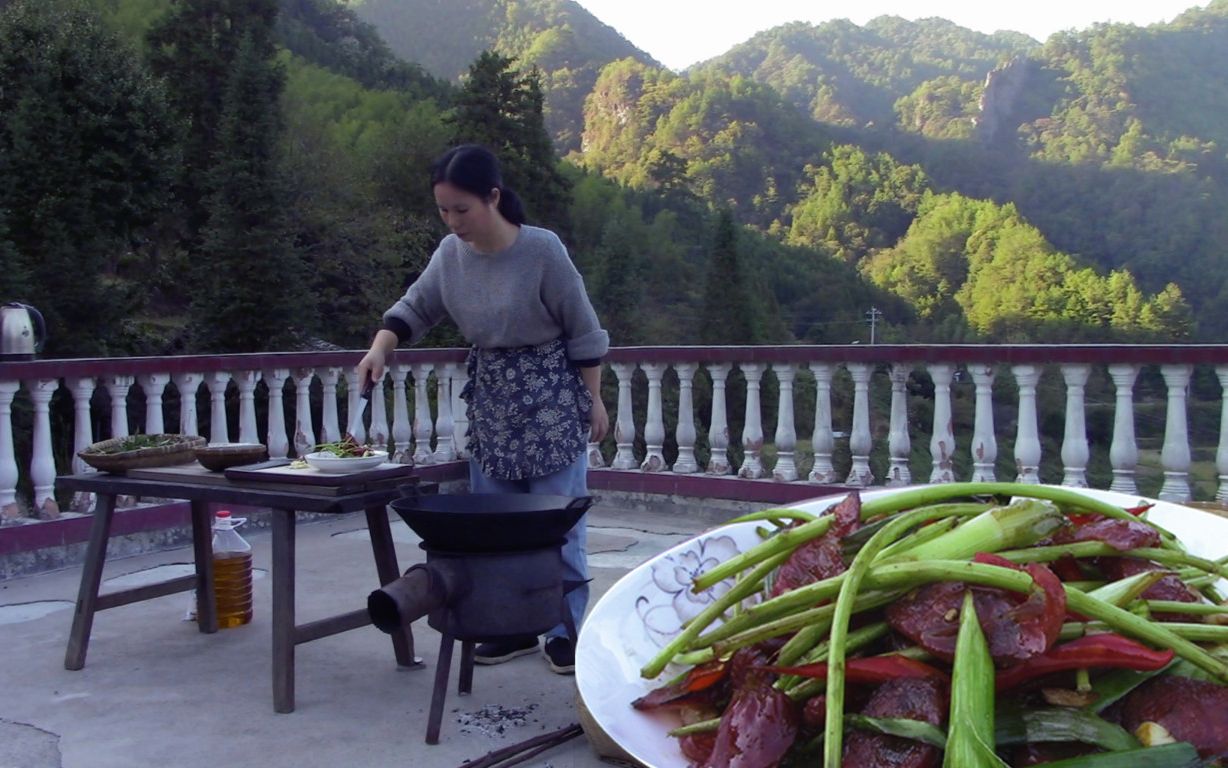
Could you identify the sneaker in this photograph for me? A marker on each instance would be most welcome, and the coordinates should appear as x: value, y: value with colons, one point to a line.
x: 560, y: 655
x: 500, y: 651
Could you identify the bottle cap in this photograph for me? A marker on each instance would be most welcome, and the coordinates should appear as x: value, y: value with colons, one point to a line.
x: 223, y: 513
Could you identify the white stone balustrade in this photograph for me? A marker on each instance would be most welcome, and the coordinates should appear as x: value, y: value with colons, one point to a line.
x: 859, y: 429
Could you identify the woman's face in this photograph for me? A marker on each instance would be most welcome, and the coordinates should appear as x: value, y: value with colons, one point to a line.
x: 471, y: 218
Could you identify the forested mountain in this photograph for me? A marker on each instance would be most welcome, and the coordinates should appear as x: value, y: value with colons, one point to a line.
x: 972, y: 187
x: 559, y: 37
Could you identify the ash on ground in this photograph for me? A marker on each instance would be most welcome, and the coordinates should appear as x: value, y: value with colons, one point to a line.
x: 496, y: 720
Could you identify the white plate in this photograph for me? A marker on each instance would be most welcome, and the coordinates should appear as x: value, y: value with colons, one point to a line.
x: 645, y: 608
x: 327, y: 462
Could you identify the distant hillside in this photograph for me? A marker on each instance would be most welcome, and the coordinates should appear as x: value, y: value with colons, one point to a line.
x: 565, y: 42
x: 838, y: 72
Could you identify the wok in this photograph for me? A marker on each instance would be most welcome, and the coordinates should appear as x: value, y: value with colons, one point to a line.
x: 491, y: 522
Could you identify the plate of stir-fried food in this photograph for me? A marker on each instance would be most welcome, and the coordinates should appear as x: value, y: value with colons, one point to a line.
x: 346, y: 455
x: 959, y: 625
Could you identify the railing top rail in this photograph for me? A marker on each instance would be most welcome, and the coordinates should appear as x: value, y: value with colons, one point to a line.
x: 1141, y: 354
x: 103, y: 366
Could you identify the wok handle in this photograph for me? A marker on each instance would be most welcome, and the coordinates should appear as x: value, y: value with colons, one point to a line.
x: 580, y: 502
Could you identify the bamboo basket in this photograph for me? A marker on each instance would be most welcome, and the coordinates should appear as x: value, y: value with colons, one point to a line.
x: 179, y: 449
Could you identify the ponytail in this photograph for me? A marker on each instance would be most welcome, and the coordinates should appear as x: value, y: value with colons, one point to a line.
x: 510, y: 206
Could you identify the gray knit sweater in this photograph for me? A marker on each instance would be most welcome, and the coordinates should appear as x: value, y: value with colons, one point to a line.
x: 526, y: 295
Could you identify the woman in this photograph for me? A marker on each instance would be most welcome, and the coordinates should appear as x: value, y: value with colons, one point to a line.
x: 534, y: 392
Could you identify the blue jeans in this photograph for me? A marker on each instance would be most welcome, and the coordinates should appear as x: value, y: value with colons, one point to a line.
x: 572, y: 481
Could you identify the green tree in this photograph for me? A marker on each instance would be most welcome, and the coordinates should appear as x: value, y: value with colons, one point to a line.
x: 501, y: 109
x: 618, y: 294
x: 726, y: 316
x: 249, y: 281
x: 193, y: 48
x: 87, y: 151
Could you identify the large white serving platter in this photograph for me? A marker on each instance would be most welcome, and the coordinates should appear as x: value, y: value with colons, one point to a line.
x: 645, y: 608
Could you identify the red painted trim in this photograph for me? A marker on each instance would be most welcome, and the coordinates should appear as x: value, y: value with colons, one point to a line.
x: 76, y: 530
x: 708, y: 487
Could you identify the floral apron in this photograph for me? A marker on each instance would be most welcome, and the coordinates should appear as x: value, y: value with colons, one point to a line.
x: 528, y: 410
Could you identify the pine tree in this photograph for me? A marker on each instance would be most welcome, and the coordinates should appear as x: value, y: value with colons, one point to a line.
x: 194, y: 47
x: 87, y: 151
x: 249, y: 280
x: 726, y: 316
x: 503, y: 111
x: 618, y: 295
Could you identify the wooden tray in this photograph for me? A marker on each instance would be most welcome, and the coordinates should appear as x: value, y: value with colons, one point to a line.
x: 279, y: 471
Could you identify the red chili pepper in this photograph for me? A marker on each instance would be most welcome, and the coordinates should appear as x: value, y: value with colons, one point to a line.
x: 684, y: 692
x: 872, y: 669
x: 1103, y: 651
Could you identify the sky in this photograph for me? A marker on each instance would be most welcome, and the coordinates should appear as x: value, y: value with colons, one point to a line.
x: 679, y: 33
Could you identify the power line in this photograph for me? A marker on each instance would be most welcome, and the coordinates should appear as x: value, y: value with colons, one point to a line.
x: 872, y: 318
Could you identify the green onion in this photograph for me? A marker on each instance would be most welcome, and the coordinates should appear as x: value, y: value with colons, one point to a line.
x: 1061, y: 724
x: 970, y: 735
x: 1180, y: 755
x: 917, y: 730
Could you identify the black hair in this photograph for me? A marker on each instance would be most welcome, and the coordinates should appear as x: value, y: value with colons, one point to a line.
x: 475, y: 169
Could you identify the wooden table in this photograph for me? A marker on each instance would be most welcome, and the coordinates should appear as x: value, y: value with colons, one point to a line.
x: 202, y: 488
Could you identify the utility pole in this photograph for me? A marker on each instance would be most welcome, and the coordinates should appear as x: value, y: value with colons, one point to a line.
x: 872, y: 318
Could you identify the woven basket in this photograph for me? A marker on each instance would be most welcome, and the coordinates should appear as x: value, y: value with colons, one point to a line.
x: 220, y: 456
x: 180, y: 449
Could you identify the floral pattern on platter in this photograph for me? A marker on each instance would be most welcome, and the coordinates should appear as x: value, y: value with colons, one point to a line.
x: 666, y: 607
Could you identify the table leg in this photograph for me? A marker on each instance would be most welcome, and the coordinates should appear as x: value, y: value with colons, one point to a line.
x: 91, y: 580
x: 385, y: 553
x: 440, y: 691
x: 202, y: 553
x: 283, y: 610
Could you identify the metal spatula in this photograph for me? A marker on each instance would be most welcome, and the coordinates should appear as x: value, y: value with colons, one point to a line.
x: 355, y: 429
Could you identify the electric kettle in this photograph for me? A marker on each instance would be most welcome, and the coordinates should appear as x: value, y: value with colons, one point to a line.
x: 22, y: 332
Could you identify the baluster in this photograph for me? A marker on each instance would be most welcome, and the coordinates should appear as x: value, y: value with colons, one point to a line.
x: 278, y: 440
x: 246, y: 382
x: 942, y: 443
x: 595, y: 459
x: 379, y: 414
x: 353, y: 402
x: 1074, y: 443
x: 860, y: 439
x: 624, y: 427
x: 187, y: 384
x: 685, y: 433
x: 304, y: 425
x: 1027, y: 436
x: 153, y: 384
x: 445, y: 447
x: 82, y: 389
x: 219, y: 428
x: 984, y: 441
x: 422, y: 415
x: 823, y: 439
x: 118, y: 386
x: 654, y: 421
x: 899, y: 446
x: 718, y: 428
x: 10, y: 510
x: 42, y: 459
x: 1175, y: 456
x: 786, y: 431
x: 1123, y: 452
x: 752, y: 433
x: 1221, y: 454
x: 460, y: 417
x: 401, y: 449
x: 330, y: 429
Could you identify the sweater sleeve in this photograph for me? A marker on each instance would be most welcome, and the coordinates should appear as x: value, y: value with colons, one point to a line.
x: 564, y: 294
x: 421, y: 308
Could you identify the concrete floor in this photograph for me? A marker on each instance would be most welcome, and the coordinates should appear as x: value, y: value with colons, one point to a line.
x: 156, y: 692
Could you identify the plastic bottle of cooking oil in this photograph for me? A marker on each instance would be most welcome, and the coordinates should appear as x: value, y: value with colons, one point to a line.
x: 232, y: 572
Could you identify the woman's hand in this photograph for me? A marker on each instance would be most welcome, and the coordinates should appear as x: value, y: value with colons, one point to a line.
x: 371, y: 366
x: 598, y: 422
x: 598, y: 419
